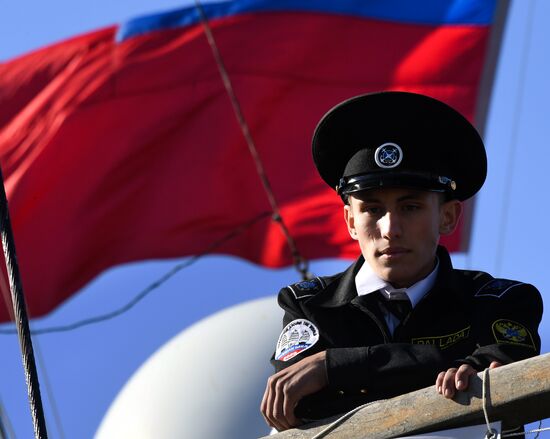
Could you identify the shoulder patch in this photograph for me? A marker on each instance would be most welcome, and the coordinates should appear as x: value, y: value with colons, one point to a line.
x: 497, y: 287
x: 510, y: 332
x: 298, y: 336
x: 307, y: 288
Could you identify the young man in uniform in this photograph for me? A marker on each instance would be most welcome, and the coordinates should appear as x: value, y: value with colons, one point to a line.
x: 400, y: 318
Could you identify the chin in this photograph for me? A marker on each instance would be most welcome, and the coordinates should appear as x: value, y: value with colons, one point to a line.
x: 398, y: 280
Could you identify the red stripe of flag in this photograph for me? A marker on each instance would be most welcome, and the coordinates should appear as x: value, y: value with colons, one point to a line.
x: 119, y: 152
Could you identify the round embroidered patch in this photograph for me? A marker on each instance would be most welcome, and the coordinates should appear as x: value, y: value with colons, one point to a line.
x: 296, y: 337
x: 508, y: 331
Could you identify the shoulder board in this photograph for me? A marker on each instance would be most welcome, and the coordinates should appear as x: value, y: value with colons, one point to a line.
x: 497, y: 287
x: 307, y: 288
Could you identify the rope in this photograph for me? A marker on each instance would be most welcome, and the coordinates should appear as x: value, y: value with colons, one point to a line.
x: 341, y: 420
x: 300, y: 263
x: 147, y: 290
x: 492, y: 433
x: 21, y: 318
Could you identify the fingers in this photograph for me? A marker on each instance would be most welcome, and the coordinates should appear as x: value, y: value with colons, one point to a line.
x: 288, y: 386
x: 289, y: 404
x: 447, y: 383
x: 462, y: 378
x: 278, y: 411
x: 272, y: 404
x: 265, y: 406
x: 278, y: 403
x: 439, y: 382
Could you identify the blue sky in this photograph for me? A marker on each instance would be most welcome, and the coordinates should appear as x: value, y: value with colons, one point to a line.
x: 509, y: 236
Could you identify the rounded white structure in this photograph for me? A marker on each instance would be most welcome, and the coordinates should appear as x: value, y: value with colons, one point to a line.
x: 207, y: 382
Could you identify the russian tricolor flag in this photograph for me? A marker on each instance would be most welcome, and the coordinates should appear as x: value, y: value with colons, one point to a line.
x: 122, y: 144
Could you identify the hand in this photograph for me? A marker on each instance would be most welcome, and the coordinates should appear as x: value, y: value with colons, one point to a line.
x: 447, y: 383
x: 285, y: 388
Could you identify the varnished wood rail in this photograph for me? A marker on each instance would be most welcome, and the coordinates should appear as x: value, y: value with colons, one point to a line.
x: 517, y: 393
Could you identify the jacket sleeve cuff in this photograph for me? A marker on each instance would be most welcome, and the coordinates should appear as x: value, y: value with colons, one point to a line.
x: 346, y: 367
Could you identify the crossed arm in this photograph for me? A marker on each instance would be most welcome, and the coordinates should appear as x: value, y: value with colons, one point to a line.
x: 285, y: 388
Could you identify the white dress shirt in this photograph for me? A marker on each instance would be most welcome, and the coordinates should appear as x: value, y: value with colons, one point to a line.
x: 367, y: 282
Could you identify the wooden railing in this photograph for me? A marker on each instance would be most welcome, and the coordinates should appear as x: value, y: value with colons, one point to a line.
x: 517, y: 393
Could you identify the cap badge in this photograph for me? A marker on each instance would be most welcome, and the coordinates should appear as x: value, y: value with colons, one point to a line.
x: 388, y: 155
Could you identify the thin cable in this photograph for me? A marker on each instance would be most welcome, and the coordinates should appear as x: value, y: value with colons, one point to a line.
x: 300, y: 262
x: 6, y: 429
x: 49, y: 389
x: 3, y: 433
x: 539, y: 429
x: 507, y: 187
x: 21, y: 317
x: 536, y: 430
x: 148, y: 289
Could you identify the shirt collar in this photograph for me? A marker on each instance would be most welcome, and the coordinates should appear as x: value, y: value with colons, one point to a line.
x: 366, y: 282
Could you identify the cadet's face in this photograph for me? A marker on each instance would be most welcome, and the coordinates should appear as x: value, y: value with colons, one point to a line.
x: 398, y: 230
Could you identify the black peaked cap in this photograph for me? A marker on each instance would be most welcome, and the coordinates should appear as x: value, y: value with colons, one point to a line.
x: 399, y: 139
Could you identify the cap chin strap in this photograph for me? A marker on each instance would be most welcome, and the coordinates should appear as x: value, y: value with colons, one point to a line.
x: 430, y: 182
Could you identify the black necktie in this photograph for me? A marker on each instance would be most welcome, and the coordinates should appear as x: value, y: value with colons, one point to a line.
x: 400, y: 308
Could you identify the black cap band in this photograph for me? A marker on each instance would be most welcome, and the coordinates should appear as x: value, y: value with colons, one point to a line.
x: 356, y: 183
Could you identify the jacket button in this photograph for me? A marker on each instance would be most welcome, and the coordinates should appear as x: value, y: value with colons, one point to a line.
x: 363, y: 390
x: 340, y: 392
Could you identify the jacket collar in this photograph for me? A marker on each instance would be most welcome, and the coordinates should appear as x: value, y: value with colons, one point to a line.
x: 341, y: 288
x: 445, y: 267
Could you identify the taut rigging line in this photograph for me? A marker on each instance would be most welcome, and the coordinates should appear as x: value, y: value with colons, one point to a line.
x: 300, y: 262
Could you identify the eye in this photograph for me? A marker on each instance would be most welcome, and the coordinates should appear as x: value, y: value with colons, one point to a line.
x: 372, y: 210
x: 411, y: 207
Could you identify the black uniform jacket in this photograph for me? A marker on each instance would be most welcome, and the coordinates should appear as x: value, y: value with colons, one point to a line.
x: 467, y: 317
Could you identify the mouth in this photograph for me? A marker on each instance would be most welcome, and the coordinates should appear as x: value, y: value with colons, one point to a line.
x: 393, y: 252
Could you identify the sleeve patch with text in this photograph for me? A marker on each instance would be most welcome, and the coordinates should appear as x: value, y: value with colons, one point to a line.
x: 298, y: 336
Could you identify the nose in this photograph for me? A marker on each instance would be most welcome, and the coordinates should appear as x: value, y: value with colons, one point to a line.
x: 390, y: 225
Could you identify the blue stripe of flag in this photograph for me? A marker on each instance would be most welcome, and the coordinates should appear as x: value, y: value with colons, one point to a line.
x: 428, y: 12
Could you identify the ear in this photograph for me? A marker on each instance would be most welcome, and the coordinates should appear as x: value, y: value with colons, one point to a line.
x: 350, y: 220
x: 449, y: 214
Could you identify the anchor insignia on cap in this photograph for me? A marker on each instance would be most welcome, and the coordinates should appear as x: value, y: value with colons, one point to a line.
x: 388, y: 155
